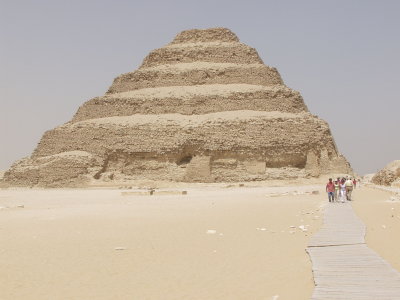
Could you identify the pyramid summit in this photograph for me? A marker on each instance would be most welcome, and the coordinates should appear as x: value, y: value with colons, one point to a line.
x: 204, y: 108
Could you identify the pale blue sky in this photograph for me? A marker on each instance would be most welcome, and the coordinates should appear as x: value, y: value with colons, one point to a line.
x: 343, y: 56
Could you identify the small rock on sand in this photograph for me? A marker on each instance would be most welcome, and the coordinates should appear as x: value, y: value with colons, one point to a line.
x: 211, y: 231
x: 262, y: 228
x: 303, y: 228
x: 120, y: 248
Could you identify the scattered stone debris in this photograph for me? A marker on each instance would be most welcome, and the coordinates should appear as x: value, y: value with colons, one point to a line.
x: 120, y: 248
x: 303, y: 228
x: 395, y: 198
x: 153, y: 192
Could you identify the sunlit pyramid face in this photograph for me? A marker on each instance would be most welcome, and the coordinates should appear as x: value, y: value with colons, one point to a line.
x: 203, y: 108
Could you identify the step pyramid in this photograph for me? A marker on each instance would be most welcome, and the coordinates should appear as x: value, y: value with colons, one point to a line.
x: 204, y: 108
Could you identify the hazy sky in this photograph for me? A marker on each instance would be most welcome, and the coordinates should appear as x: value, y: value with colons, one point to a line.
x: 343, y: 56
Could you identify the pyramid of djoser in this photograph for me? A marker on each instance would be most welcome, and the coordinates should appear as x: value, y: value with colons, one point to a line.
x: 204, y: 108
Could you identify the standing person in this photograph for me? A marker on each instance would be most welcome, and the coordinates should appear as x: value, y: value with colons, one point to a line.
x: 354, y: 183
x: 342, y: 191
x: 330, y: 189
x: 337, y: 190
x: 349, y: 188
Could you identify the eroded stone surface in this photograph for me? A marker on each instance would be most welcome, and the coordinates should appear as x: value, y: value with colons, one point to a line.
x: 389, y: 175
x: 204, y: 108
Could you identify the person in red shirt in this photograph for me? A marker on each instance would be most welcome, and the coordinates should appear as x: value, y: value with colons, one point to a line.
x: 354, y: 182
x: 330, y: 189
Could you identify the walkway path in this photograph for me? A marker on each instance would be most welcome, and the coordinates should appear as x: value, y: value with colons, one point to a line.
x: 344, y: 267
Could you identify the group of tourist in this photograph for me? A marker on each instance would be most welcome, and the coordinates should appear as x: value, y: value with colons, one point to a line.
x: 340, y: 190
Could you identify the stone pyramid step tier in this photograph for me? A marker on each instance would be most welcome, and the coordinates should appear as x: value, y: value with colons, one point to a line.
x: 195, y: 99
x: 203, y: 108
x: 188, y: 74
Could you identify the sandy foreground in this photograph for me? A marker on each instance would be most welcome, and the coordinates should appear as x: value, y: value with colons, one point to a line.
x: 380, y: 211
x: 213, y: 243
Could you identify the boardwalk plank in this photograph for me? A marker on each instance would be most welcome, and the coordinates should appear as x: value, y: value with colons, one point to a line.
x: 344, y: 267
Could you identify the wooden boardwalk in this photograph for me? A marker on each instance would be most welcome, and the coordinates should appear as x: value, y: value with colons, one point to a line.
x: 344, y: 267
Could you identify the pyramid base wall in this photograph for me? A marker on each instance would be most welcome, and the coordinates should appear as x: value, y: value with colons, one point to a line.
x: 223, y: 147
x: 68, y: 170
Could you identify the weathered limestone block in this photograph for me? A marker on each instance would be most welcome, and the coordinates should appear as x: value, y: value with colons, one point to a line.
x: 22, y: 173
x: 225, y: 163
x: 119, y: 164
x: 255, y: 166
x: 198, y: 169
x: 284, y: 173
x: 292, y: 158
x: 324, y: 160
x: 396, y: 183
x: 63, y: 169
x: 312, y: 165
x: 339, y: 164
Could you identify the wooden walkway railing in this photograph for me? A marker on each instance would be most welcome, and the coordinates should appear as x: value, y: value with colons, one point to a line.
x: 344, y: 267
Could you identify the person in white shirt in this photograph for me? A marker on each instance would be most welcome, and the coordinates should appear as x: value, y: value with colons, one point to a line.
x: 342, y: 192
x: 349, y: 188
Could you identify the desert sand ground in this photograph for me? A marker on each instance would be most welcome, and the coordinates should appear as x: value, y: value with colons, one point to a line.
x: 380, y: 211
x: 213, y: 243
